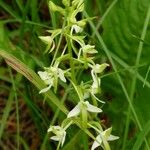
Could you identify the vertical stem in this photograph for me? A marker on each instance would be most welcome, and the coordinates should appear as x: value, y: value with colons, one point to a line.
x: 71, y: 61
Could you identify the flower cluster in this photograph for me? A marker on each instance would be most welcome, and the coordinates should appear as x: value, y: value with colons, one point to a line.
x: 87, y: 92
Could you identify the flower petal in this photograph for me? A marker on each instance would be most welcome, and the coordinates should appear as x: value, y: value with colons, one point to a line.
x: 52, y: 128
x: 95, y: 145
x: 100, y: 68
x: 97, y: 142
x: 74, y: 112
x: 45, y: 89
x: 112, y: 138
x: 61, y: 75
x: 89, y: 49
x: 46, y: 39
x: 97, y: 98
x: 77, y: 29
x: 55, y: 138
x: 92, y: 108
x: 43, y: 75
x: 63, y: 138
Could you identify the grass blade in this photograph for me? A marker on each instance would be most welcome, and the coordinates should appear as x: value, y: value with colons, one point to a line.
x: 142, y: 136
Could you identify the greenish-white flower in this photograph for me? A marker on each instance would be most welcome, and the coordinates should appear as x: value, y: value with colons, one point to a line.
x: 96, y: 69
x: 50, y: 77
x: 96, y: 83
x: 103, y: 136
x: 99, y: 68
x: 89, y: 49
x: 76, y: 28
x: 83, y: 105
x: 85, y: 52
x: 60, y: 134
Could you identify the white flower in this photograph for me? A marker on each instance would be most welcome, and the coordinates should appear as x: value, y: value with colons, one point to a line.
x: 60, y: 134
x: 85, y: 50
x: 103, y: 135
x: 90, y: 49
x: 96, y: 84
x: 95, y: 88
x: 99, y: 68
x: 48, y: 80
x: 77, y: 29
x: 83, y: 105
x: 50, y: 77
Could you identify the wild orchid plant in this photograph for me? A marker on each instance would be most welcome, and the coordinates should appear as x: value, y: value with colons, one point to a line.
x: 79, y: 55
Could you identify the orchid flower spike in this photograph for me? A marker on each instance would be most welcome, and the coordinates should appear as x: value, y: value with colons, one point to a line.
x: 83, y: 105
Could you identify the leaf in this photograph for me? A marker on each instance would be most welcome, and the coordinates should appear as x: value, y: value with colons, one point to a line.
x: 126, y: 19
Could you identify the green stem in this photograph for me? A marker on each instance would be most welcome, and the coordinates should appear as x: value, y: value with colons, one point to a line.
x: 71, y: 61
x: 58, y: 146
x: 59, y: 42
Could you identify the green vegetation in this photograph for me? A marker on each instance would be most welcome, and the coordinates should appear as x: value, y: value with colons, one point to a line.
x: 112, y: 33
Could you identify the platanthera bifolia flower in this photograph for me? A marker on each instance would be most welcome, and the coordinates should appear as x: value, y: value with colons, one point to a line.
x: 103, y: 136
x: 50, y: 77
x: 76, y: 28
x: 83, y: 105
x: 60, y: 134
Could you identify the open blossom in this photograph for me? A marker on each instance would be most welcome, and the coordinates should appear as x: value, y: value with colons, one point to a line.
x: 103, y: 135
x: 89, y: 49
x: 50, y: 77
x: 83, y: 105
x: 95, y: 88
x: 85, y: 50
x: 60, y: 134
x: 99, y: 68
x: 76, y: 28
